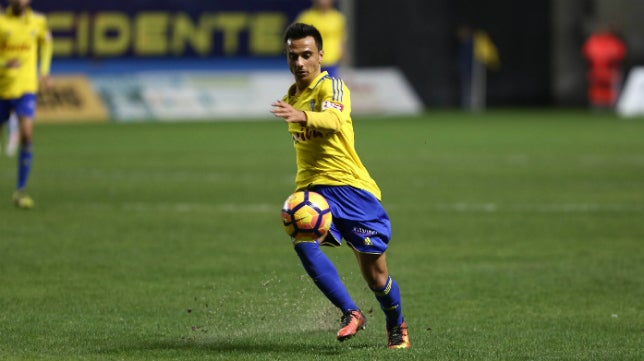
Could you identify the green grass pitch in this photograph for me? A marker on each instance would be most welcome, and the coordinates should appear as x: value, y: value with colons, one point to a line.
x: 518, y: 235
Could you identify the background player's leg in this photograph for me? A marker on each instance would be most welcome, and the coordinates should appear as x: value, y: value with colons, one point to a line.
x: 26, y: 154
x: 5, y: 112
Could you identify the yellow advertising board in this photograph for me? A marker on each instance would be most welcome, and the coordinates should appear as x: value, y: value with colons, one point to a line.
x: 72, y: 99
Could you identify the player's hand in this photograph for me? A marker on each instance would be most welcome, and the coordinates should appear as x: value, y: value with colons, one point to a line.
x: 282, y: 109
x: 46, y: 82
x: 13, y: 63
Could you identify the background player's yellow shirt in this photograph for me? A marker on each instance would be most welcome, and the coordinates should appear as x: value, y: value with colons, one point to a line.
x: 21, y: 37
x: 332, y: 26
x: 325, y: 147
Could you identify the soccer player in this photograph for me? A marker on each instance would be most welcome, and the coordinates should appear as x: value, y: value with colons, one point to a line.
x: 25, y: 41
x: 317, y: 109
x: 332, y: 26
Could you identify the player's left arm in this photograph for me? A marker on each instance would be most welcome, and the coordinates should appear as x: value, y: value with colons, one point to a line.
x: 46, y: 50
x: 335, y: 107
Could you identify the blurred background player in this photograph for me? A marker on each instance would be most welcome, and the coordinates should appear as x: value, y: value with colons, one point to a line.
x: 476, y: 54
x: 13, y: 138
x: 605, y: 52
x: 26, y: 43
x: 331, y: 23
x: 317, y: 109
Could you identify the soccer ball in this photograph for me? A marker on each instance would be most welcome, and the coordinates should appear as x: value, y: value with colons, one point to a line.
x: 306, y: 216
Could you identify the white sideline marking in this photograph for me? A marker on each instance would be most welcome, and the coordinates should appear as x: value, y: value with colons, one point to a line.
x: 203, y: 207
x: 464, y: 207
x: 181, y: 207
x: 543, y: 208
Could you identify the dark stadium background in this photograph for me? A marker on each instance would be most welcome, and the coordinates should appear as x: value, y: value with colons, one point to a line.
x: 539, y: 41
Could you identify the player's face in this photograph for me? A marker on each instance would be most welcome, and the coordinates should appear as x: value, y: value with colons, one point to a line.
x: 324, y: 4
x: 18, y: 5
x: 304, y: 59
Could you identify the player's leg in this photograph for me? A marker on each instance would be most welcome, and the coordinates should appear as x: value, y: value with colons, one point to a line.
x: 331, y: 285
x: 13, y: 138
x: 323, y: 272
x: 5, y: 112
x: 25, y: 109
x: 365, y: 225
x: 374, y: 270
x: 25, y: 156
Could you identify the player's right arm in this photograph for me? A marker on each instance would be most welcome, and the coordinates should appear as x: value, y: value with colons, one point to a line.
x: 330, y: 119
x: 286, y: 111
x: 333, y: 101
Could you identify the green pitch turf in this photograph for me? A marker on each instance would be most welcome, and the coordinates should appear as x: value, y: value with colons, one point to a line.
x: 517, y: 236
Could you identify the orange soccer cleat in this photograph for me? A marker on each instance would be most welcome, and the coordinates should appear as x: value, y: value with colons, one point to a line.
x: 351, y: 323
x: 398, y: 337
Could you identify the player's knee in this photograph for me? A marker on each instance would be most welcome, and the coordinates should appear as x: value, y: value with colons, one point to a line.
x: 25, y: 138
x: 378, y: 281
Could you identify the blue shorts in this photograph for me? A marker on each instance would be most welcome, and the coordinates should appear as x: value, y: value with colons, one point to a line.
x: 25, y: 106
x: 358, y: 217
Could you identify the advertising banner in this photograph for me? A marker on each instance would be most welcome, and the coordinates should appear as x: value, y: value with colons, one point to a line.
x: 71, y: 99
x: 185, y: 96
x: 170, y: 28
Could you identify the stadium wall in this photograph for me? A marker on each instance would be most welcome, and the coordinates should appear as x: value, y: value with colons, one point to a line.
x: 419, y: 37
x: 538, y: 41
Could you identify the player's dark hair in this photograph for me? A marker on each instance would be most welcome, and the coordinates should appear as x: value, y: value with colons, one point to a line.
x: 299, y: 31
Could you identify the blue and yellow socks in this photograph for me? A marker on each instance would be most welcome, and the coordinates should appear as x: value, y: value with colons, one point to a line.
x: 389, y: 298
x: 325, y: 275
x: 24, y: 165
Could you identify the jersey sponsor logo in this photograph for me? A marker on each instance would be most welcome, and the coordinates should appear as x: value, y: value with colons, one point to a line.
x: 329, y: 104
x: 17, y: 47
x: 305, y: 134
x: 365, y: 232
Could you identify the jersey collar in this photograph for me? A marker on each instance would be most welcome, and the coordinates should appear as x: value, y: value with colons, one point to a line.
x: 318, y: 79
x: 312, y: 85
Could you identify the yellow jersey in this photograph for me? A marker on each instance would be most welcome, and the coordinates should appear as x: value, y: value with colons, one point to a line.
x: 332, y: 26
x: 27, y: 39
x: 325, y: 147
